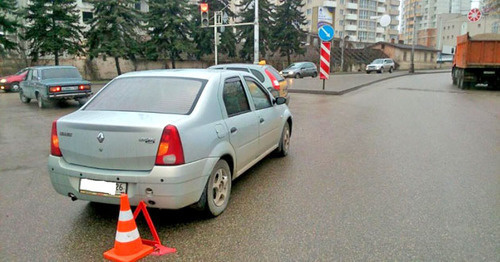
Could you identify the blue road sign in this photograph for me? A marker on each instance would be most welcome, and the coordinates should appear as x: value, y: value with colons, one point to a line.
x: 326, y: 32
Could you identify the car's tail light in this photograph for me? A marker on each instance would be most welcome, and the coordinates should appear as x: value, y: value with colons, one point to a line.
x: 54, y: 89
x: 54, y: 143
x: 170, y: 149
x: 84, y: 87
x: 274, y: 81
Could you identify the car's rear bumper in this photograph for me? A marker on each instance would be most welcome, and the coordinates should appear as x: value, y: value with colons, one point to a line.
x: 69, y: 95
x: 172, y: 187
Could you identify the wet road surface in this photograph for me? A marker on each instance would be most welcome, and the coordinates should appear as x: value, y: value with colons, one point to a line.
x: 407, y: 169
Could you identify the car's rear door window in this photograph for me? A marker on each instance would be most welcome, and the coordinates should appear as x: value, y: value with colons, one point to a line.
x: 169, y: 95
x: 258, y: 74
x: 234, y: 97
x: 260, y: 97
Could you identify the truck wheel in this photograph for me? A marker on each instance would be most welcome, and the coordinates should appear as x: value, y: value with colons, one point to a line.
x: 23, y: 98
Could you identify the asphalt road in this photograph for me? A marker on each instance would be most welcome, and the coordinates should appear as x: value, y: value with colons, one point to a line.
x: 407, y: 169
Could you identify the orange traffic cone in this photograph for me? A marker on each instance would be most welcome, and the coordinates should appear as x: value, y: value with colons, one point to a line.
x: 128, y: 243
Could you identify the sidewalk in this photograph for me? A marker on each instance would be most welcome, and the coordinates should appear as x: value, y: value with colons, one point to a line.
x: 339, y: 84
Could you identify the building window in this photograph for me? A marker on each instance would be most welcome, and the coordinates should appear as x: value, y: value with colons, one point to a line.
x: 309, y: 11
x: 138, y: 5
x: 478, y: 25
x: 425, y: 57
x: 432, y: 57
x: 87, y: 17
x: 494, y: 28
x: 404, y: 56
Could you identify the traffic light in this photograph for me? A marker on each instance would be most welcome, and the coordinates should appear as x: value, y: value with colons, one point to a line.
x: 204, y: 14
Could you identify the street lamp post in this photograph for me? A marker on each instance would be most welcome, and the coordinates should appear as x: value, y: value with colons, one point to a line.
x: 412, y: 65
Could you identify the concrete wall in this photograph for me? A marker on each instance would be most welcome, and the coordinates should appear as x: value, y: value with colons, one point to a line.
x: 423, y: 59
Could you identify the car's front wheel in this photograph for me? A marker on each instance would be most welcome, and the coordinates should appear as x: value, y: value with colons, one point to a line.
x: 23, y: 98
x: 381, y: 70
x: 215, y: 197
x: 15, y: 86
x: 284, y: 145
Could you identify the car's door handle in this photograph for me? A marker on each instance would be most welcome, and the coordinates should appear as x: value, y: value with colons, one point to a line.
x: 233, y: 130
x: 262, y: 120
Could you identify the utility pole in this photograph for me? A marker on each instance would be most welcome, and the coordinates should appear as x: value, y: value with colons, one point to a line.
x: 412, y: 65
x: 215, y: 36
x: 256, y: 33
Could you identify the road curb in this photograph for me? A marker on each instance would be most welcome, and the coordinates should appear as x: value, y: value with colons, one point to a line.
x: 339, y: 93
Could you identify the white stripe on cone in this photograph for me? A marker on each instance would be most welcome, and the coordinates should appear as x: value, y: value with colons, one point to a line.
x: 125, y: 215
x: 125, y: 237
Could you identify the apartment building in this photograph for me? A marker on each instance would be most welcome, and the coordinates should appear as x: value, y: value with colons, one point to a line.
x: 422, y: 15
x: 357, y: 19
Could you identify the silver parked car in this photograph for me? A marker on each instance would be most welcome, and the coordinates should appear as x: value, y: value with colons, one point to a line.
x: 381, y: 65
x: 172, y: 138
x: 300, y: 69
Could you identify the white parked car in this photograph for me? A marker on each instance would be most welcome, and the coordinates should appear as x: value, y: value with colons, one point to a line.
x: 172, y: 138
x: 381, y: 65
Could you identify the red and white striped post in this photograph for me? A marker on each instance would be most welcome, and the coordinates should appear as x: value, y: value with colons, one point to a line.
x: 324, y: 68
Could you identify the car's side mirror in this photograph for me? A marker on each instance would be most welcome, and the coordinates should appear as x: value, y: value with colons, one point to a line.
x: 279, y: 100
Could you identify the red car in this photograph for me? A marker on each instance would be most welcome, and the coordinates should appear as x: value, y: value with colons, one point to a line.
x: 11, y: 83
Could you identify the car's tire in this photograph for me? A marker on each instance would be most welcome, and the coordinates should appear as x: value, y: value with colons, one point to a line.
x: 368, y: 72
x: 381, y: 71
x: 23, y: 98
x: 314, y: 75
x: 81, y: 101
x: 298, y: 75
x: 215, y: 197
x: 284, y: 145
x: 391, y: 70
x: 42, y: 103
x: 15, y: 87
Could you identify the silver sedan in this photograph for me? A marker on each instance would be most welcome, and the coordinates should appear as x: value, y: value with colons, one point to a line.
x: 172, y: 138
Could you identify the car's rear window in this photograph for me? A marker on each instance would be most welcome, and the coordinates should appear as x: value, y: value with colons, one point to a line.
x: 169, y: 95
x: 275, y: 73
x: 60, y: 73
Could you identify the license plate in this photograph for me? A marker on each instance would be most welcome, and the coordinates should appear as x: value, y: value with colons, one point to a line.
x: 102, y: 188
x: 69, y: 88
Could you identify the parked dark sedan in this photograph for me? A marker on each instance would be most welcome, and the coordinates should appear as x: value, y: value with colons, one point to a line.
x: 54, y: 83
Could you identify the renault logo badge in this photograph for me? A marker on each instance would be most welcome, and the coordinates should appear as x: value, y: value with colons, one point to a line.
x: 100, y: 137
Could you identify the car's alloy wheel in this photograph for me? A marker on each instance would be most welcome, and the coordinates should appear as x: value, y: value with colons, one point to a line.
x: 297, y: 75
x: 284, y: 145
x: 217, y: 191
x: 15, y: 86
x: 23, y: 98
x: 381, y: 70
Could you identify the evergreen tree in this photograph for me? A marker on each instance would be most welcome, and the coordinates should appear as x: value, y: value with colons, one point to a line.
x: 114, y: 30
x: 266, y: 12
x: 8, y: 24
x: 288, y: 34
x: 53, y: 28
x: 169, y: 28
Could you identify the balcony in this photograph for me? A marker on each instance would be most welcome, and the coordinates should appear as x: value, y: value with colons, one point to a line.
x: 395, y: 2
x: 351, y: 17
x: 394, y: 12
x: 379, y: 39
x: 351, y: 27
x: 330, y: 3
x: 396, y: 22
x: 352, y: 6
x: 393, y: 32
x: 381, y: 1
x: 381, y: 9
x: 380, y: 30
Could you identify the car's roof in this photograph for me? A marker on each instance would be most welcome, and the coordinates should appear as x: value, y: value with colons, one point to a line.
x: 188, y: 73
x: 239, y: 65
x: 50, y: 67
